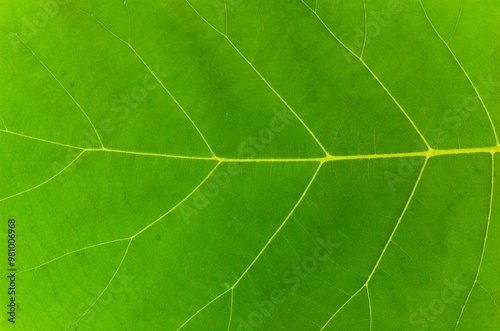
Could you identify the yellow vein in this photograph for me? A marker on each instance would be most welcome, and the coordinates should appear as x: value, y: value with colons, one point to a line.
x: 180, y: 202
x: 329, y: 158
x: 373, y: 74
x: 264, y: 80
x: 304, y: 193
x: 130, y: 239
x: 279, y: 96
x: 455, y: 28
x: 261, y: 251
x: 46, y: 181
x: 173, y: 156
x: 73, y: 252
x: 491, y: 298
x: 369, y: 306
x: 231, y: 310
x: 3, y: 123
x: 377, y: 263
x: 342, y: 307
x: 333, y: 158
x: 203, y: 18
x: 111, y: 150
x: 403, y: 213
x: 464, y: 72
x: 41, y: 140
x: 366, y: 29
x: 91, y: 15
x: 225, y: 11
x: 492, y: 188
x: 173, y: 99
x: 64, y: 88
x: 129, y: 45
x: 107, y: 285
x: 202, y: 308
x: 129, y: 21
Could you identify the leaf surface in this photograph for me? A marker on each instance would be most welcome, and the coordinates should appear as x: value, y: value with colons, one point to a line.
x: 244, y: 165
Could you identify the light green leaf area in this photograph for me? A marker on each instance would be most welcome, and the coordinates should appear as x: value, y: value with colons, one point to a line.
x: 251, y: 165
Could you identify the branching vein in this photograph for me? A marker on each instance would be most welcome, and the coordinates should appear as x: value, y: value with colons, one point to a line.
x: 231, y: 310
x: 130, y: 240
x: 485, y: 241
x: 158, y: 80
x: 369, y: 306
x: 62, y: 86
x: 203, y: 308
x: 457, y: 22
x: 396, y: 102
x: 129, y: 21
x: 41, y: 139
x: 366, y: 29
x: 132, y: 237
x: 329, y: 158
x: 263, y: 79
x: 382, y: 254
x: 304, y: 193
x: 73, y: 252
x: 107, y: 285
x: 46, y: 181
x: 179, y: 203
x: 3, y: 123
x: 464, y: 72
x: 219, y: 160
x: 301, y: 198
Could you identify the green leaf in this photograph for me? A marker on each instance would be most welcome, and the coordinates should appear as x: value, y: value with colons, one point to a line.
x: 246, y: 165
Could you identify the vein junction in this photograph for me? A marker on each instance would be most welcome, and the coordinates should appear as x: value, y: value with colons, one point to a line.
x: 427, y: 154
x: 328, y: 158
